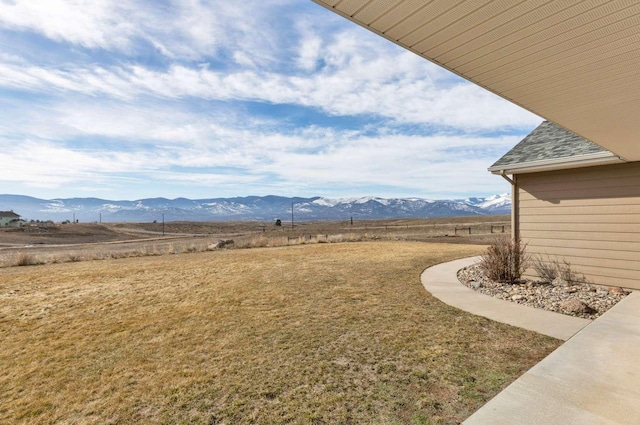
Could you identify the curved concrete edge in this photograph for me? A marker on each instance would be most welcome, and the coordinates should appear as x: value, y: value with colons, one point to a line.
x: 442, y: 282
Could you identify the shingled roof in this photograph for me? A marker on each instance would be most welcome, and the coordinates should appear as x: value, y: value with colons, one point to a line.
x: 550, y: 146
x: 8, y: 214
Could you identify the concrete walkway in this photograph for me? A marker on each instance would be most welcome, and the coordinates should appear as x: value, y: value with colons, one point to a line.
x: 593, y: 378
x: 442, y: 283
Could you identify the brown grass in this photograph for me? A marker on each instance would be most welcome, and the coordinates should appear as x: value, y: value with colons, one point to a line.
x: 323, y: 333
x: 51, y: 243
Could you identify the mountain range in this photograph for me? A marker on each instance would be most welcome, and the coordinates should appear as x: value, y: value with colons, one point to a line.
x: 255, y: 208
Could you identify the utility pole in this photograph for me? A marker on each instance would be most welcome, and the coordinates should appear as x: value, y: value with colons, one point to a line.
x: 162, y: 224
x: 100, y: 220
x: 292, y: 215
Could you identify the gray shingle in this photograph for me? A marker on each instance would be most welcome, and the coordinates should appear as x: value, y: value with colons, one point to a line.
x: 9, y: 214
x: 548, y: 141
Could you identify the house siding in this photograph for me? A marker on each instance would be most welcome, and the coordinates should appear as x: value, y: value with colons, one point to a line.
x: 6, y: 221
x: 10, y: 219
x: 589, y: 217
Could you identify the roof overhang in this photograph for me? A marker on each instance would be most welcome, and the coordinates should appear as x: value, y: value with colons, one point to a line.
x: 579, y: 161
x: 574, y: 63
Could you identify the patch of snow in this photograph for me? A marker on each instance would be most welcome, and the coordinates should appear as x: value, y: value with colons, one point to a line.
x: 55, y: 207
x: 111, y: 207
x: 495, y: 201
x: 326, y: 202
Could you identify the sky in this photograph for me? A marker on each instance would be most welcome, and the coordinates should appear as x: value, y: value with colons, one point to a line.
x: 206, y: 99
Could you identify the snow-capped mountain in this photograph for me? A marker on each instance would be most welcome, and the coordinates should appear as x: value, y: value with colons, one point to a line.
x: 259, y: 208
x: 496, y: 204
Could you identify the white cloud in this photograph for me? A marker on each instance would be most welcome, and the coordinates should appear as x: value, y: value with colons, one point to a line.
x: 344, y: 72
x: 179, y: 29
x: 44, y: 164
x: 356, y: 89
x: 89, y: 23
x: 375, y: 160
x: 98, y: 111
x: 309, y: 53
x: 206, y: 153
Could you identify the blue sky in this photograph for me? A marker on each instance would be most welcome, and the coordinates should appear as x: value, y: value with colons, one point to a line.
x: 203, y: 99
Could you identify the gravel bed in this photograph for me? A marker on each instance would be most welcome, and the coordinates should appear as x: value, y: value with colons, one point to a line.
x: 581, y: 300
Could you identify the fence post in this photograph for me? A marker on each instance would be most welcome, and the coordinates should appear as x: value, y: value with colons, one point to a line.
x: 455, y: 229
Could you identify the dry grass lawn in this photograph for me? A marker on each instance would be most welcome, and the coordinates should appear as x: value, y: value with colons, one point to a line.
x: 327, y: 333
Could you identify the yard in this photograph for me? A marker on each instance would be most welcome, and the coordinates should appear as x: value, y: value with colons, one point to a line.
x: 324, y: 333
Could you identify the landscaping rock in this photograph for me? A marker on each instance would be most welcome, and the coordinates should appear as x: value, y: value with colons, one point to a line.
x: 594, y: 299
x: 558, y: 281
x: 618, y: 290
x: 575, y: 306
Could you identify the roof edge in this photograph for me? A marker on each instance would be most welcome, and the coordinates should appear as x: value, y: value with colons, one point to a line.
x: 579, y: 161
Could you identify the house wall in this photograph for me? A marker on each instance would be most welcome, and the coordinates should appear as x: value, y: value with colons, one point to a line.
x: 588, y: 216
x: 10, y: 222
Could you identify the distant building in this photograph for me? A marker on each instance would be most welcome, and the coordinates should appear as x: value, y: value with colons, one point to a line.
x: 10, y: 219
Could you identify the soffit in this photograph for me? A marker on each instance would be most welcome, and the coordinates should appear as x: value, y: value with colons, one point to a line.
x: 576, y: 63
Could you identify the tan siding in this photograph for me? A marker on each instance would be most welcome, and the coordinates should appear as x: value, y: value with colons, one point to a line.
x: 589, y: 217
x: 578, y: 227
x: 604, y: 183
x: 570, y: 236
x: 594, y: 218
x: 562, y: 210
x: 624, y: 190
x: 618, y: 257
x: 533, y: 203
x: 587, y: 243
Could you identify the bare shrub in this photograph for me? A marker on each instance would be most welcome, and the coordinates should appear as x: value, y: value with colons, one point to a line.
x: 101, y: 255
x: 75, y: 258
x: 547, y: 270
x: 350, y: 237
x: 567, y: 273
x: 152, y: 250
x: 27, y: 260
x: 229, y: 243
x: 259, y: 242
x: 189, y: 248
x: 278, y: 241
x: 551, y: 269
x: 505, y: 260
x: 221, y: 244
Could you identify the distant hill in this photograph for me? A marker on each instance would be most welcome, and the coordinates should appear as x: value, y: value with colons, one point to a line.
x: 258, y: 208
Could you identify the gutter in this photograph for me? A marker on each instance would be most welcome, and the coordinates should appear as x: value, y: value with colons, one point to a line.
x: 504, y: 176
x: 579, y: 161
x: 515, y: 197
